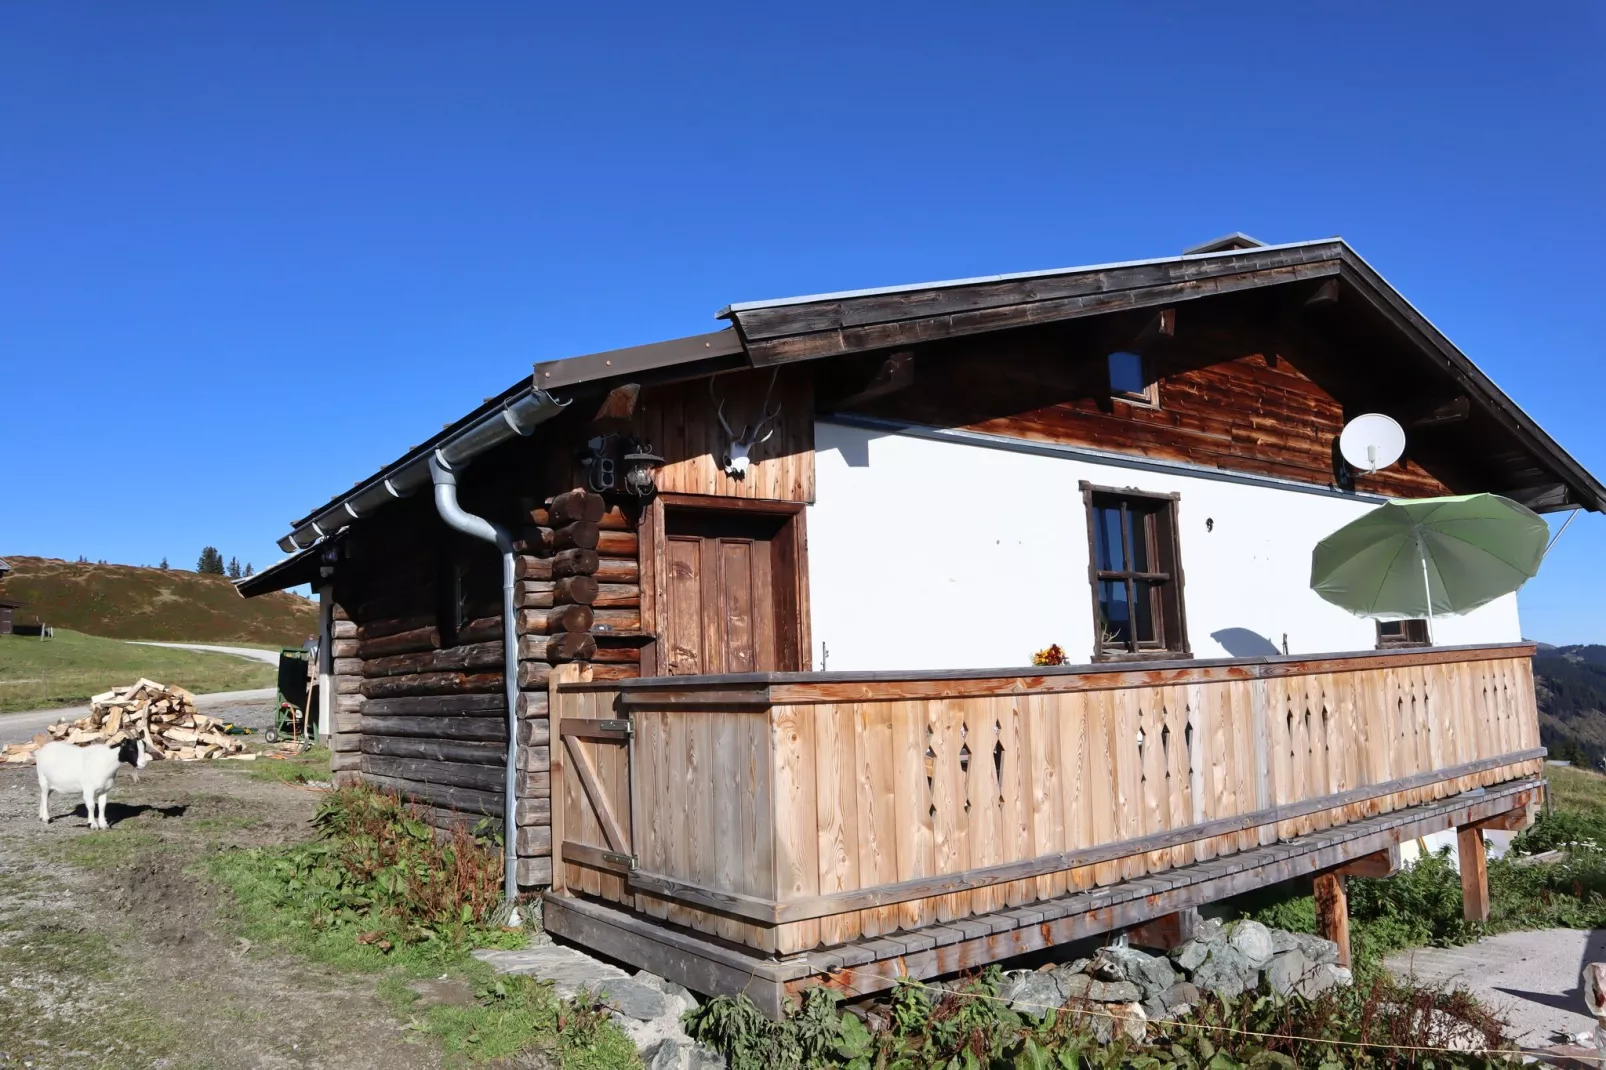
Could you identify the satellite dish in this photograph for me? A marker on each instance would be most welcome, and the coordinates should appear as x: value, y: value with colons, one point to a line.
x: 1371, y: 441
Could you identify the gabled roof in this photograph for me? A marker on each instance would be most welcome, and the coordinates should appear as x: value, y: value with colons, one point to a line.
x: 812, y: 327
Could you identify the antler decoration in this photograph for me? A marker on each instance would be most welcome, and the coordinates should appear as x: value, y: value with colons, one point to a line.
x: 738, y: 449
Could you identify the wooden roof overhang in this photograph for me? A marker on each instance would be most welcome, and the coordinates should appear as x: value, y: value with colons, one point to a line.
x: 1500, y: 448
x: 1342, y: 298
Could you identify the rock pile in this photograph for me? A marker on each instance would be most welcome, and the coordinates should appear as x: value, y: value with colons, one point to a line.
x: 1122, y: 988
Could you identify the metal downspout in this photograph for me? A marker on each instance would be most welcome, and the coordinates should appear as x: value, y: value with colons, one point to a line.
x: 445, y: 481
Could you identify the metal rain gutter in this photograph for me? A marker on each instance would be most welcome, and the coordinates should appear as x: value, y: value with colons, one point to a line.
x: 518, y: 416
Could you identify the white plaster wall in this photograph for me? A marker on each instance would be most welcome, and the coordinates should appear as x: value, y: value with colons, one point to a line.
x: 933, y: 555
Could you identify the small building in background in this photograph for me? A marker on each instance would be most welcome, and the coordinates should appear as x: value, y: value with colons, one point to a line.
x: 5, y: 606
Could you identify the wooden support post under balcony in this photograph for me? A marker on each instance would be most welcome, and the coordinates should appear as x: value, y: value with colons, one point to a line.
x: 1165, y: 933
x: 1474, y: 875
x: 1332, y: 912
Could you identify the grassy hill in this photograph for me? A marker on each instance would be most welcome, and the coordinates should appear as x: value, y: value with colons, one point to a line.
x: 127, y: 602
x: 68, y: 669
x: 1571, y: 684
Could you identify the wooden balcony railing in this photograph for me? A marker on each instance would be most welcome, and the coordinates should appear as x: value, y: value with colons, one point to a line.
x: 789, y: 811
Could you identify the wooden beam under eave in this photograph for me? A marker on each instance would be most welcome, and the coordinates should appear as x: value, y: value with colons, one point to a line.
x: 1456, y: 410
x: 1540, y: 498
x: 895, y: 373
x: 1325, y: 295
x: 618, y: 408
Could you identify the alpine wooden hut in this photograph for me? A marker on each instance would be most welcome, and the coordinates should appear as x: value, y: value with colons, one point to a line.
x: 738, y: 628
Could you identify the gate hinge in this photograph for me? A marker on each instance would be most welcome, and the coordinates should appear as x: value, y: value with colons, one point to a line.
x: 627, y: 861
x: 625, y: 726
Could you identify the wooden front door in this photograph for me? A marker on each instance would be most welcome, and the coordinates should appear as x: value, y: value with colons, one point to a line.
x: 732, y: 591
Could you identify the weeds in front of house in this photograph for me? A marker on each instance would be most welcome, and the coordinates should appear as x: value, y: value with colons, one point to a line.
x: 1421, y: 906
x: 377, y: 890
x: 1376, y: 1024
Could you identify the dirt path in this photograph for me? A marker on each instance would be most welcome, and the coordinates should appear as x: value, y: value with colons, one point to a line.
x: 250, y: 653
x: 112, y: 955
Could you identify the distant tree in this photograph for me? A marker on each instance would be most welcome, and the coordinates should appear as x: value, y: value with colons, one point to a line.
x: 234, y: 568
x: 164, y: 564
x: 211, y: 562
x: 82, y: 560
x: 249, y: 570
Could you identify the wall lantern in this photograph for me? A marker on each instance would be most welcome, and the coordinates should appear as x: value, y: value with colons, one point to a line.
x: 618, y: 465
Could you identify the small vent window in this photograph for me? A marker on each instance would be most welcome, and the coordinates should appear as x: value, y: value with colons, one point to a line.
x: 1129, y: 379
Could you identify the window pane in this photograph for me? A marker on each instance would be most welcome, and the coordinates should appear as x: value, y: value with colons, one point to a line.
x: 1107, y: 539
x: 1126, y: 374
x: 1115, y: 615
x: 1140, y: 541
x: 1148, y: 596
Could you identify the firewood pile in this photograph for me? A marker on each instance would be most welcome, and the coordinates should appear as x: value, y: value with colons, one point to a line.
x: 164, y: 717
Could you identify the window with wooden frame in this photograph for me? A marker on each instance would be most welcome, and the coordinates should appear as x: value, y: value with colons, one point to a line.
x: 1130, y: 380
x: 1393, y: 633
x: 1136, y: 573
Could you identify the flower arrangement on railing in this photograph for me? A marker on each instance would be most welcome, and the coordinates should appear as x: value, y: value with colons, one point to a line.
x: 1051, y: 655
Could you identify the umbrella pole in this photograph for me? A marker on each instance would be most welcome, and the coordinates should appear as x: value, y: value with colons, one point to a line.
x: 1427, y: 591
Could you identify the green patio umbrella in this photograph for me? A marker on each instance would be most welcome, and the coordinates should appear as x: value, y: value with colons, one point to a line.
x: 1411, y: 559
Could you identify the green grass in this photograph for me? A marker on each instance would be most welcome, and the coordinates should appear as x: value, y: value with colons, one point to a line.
x: 310, y: 764
x: 67, y: 670
x: 303, y: 900
x: 105, y: 849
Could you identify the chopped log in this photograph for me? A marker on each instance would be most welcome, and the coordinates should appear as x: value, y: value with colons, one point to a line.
x: 535, y: 758
x: 624, y: 655
x: 582, y: 534
x: 342, y: 629
x: 533, y: 704
x: 534, y: 673
x: 534, y: 872
x: 573, y: 505
x: 570, y: 590
x: 484, y: 729
x: 617, y: 543
x: 562, y: 646
x: 571, y: 618
x: 409, y: 642
x: 466, y: 752
x: 535, y: 733
x: 574, y: 562
x: 613, y: 518
x: 347, y: 666
x: 434, y: 683
x: 342, y: 761
x: 616, y: 622
x: 345, y: 648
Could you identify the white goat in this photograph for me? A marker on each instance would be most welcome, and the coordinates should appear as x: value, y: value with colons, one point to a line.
x: 91, y: 770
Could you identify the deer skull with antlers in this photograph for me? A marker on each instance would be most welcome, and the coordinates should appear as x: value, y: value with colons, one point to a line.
x: 738, y: 448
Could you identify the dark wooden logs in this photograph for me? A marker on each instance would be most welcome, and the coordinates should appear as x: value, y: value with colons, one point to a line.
x: 432, y: 683
x: 546, y: 541
x: 473, y: 656
x: 378, y: 629
x: 379, y: 772
x: 574, y: 562
x: 487, y: 705
x: 409, y: 642
x: 562, y: 646
x: 487, y: 778
x: 485, y: 729
x: 574, y: 505
x: 570, y: 618
x: 481, y: 630
x: 411, y: 603
x: 612, y: 519
x: 618, y: 570
x: 462, y: 751
x: 570, y: 590
x: 624, y: 655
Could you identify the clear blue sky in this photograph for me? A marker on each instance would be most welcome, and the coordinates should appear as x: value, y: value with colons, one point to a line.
x: 249, y: 253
